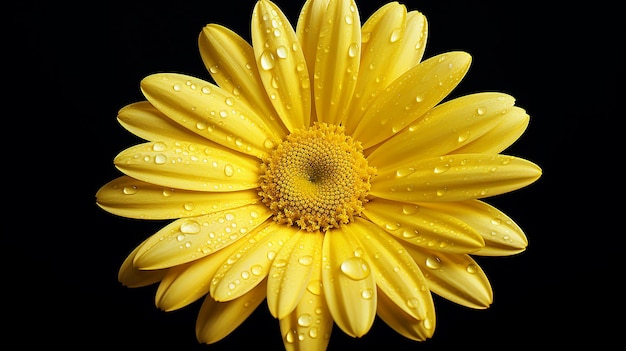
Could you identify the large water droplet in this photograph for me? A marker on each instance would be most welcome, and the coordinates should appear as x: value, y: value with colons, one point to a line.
x: 433, y: 262
x: 160, y: 159
x: 355, y: 268
x: 190, y: 227
x: 267, y: 60
x: 305, y: 320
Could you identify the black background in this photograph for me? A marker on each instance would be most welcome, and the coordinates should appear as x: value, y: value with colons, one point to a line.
x: 70, y: 67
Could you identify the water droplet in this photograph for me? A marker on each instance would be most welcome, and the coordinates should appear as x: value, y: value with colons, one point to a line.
x: 160, y: 159
x: 349, y: 19
x: 442, y: 191
x: 419, y: 98
x: 403, y: 172
x: 256, y: 269
x: 129, y: 190
x: 189, y: 206
x: 463, y: 136
x: 496, y: 221
x: 367, y: 294
x: 280, y: 263
x: 223, y: 113
x: 229, y: 101
x: 314, y: 287
x: 305, y: 320
x: 428, y: 324
x: 441, y: 168
x: 305, y: 260
x: 355, y: 268
x: 433, y: 262
x: 313, y: 332
x: 158, y: 147
x: 281, y: 52
x: 229, y: 170
x: 206, y: 89
x: 353, y: 50
x: 413, y: 302
x: 267, y: 60
x: 177, y: 87
x: 180, y: 237
x: 289, y: 337
x: 268, y: 143
x: 395, y: 35
x: 271, y: 255
x: 471, y: 268
x: 190, y: 227
x: 481, y: 110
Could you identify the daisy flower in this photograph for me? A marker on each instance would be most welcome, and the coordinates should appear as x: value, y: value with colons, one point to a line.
x: 323, y: 173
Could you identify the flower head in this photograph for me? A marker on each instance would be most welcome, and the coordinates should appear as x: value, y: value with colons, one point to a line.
x: 323, y: 173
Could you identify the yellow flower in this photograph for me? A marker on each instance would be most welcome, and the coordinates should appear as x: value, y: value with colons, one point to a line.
x: 322, y: 173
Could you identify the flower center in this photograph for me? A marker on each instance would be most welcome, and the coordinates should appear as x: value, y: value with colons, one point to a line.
x: 317, y: 178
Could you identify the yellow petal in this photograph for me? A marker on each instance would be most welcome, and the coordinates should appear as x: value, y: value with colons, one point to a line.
x: 381, y: 36
x: 243, y: 270
x: 349, y: 285
x: 290, y: 272
x: 229, y: 59
x: 146, y: 122
x: 412, y: 46
x: 129, y: 275
x: 211, y: 112
x: 396, y: 272
x: 410, y: 96
x: 423, y: 226
x: 189, y: 239
x: 512, y: 125
x: 455, y: 178
x: 189, y: 166
x: 402, y: 322
x: 443, y: 129
x: 336, y: 63
x: 455, y: 277
x: 188, y: 282
x: 310, y: 20
x: 309, y: 326
x: 218, y: 319
x: 133, y: 198
x: 281, y: 65
x: 501, y: 234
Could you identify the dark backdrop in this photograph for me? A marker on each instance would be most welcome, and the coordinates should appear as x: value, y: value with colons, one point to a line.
x: 72, y: 66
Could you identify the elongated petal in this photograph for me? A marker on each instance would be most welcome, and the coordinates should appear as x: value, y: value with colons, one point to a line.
x: 455, y: 178
x: 243, y: 270
x: 281, y: 64
x: 129, y: 275
x: 133, y: 198
x: 337, y: 61
x: 211, y: 112
x: 396, y: 272
x: 310, y: 20
x: 404, y: 323
x: 381, y: 36
x: 218, y: 319
x: 411, y: 96
x: 412, y: 46
x: 291, y: 271
x: 423, y: 226
x: 230, y: 61
x: 188, y: 239
x: 443, y: 129
x: 309, y: 326
x: 146, y: 122
x: 455, y: 277
x: 188, y: 282
x: 349, y: 285
x: 512, y: 125
x: 501, y: 234
x: 189, y: 166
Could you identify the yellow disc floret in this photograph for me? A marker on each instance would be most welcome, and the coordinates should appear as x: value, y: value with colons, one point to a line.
x: 317, y: 178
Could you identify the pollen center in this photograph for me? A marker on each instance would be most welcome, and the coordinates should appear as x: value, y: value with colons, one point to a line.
x: 316, y: 179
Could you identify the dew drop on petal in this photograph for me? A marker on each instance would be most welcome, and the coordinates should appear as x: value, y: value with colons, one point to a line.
x: 305, y: 260
x: 433, y: 262
x: 471, y: 268
x: 158, y: 146
x: 353, y: 50
x: 367, y: 294
x: 229, y: 170
x: 267, y: 60
x: 129, y: 190
x: 305, y: 320
x: 160, y: 159
x: 190, y: 227
x: 355, y: 268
